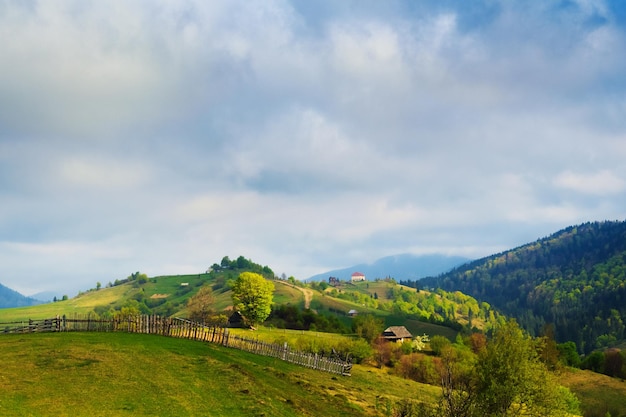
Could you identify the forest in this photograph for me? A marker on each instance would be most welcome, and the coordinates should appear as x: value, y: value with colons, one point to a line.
x: 573, y: 280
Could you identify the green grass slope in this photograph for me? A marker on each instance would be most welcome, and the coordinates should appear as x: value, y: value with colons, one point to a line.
x: 599, y: 394
x: 118, y: 374
x: 81, y: 304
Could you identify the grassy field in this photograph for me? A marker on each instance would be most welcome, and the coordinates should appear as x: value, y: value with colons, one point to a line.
x: 297, y: 339
x: 598, y: 393
x: 109, y: 374
x: 117, y: 374
x: 81, y: 304
x: 284, y: 294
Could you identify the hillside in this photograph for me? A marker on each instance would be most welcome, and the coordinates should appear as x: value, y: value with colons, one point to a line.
x: 112, y: 374
x: 439, y: 312
x: 574, y: 279
x: 401, y: 267
x: 120, y: 374
x: 11, y: 298
x: 421, y: 312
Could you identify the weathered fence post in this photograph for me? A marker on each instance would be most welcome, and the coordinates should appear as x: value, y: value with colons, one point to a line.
x: 225, y: 337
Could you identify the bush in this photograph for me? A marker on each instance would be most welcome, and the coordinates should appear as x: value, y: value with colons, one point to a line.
x: 438, y: 343
x: 418, y: 367
x: 359, y: 350
x: 594, y: 362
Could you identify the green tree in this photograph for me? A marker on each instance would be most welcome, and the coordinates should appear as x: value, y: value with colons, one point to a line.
x: 367, y: 327
x: 458, y: 383
x: 438, y: 343
x: 511, y: 378
x: 199, y: 306
x: 225, y: 262
x: 142, y: 278
x: 129, y: 311
x: 252, y: 297
x: 568, y: 354
x: 506, y: 378
x: 243, y: 263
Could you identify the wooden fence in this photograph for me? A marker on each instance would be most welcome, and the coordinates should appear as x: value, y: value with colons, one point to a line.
x: 310, y: 360
x: 181, y: 328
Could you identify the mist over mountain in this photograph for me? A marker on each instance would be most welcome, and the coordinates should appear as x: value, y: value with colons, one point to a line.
x: 46, y: 296
x: 400, y: 267
x: 11, y: 298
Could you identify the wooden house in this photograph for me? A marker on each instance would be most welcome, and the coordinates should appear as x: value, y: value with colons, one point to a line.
x: 236, y: 320
x: 397, y: 334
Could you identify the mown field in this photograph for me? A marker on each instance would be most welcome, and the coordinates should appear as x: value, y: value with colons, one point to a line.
x: 117, y: 374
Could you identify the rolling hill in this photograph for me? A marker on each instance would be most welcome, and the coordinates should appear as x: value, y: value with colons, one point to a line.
x: 420, y: 311
x: 574, y: 279
x: 121, y: 374
x: 432, y: 312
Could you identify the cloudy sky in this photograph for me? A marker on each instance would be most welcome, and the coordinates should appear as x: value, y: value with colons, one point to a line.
x: 160, y: 136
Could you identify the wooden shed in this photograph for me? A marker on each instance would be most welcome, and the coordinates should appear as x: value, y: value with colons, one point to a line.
x: 397, y: 334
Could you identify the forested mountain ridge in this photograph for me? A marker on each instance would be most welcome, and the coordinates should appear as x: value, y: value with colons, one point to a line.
x: 574, y: 279
x: 12, y: 298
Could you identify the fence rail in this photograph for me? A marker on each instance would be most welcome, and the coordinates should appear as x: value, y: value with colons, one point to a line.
x: 181, y: 328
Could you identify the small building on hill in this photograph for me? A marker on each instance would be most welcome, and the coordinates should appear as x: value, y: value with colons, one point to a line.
x: 352, y: 313
x: 236, y: 320
x: 397, y: 334
x: 357, y: 277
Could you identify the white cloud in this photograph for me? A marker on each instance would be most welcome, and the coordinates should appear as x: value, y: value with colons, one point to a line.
x: 102, y: 173
x: 599, y: 183
x: 180, y: 132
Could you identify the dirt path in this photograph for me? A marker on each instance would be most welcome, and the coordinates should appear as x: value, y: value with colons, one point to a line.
x: 308, y: 296
x: 307, y: 292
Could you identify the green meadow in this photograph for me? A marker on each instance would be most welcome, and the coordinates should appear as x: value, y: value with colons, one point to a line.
x: 118, y: 374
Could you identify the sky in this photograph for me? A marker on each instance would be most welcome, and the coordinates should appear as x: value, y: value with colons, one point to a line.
x: 160, y: 136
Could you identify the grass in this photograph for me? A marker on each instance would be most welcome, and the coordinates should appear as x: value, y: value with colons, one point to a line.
x: 117, y: 374
x: 292, y: 337
x: 284, y: 294
x: 598, y: 393
x: 110, y: 374
x: 81, y: 304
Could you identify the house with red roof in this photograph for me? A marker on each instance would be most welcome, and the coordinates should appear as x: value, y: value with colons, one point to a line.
x: 357, y: 277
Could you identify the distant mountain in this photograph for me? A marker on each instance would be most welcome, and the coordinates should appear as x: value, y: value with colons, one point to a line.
x: 400, y: 267
x: 10, y: 298
x: 46, y: 296
x: 574, y: 279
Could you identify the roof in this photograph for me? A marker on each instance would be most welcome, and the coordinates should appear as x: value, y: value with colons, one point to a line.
x: 358, y: 274
x: 397, y: 332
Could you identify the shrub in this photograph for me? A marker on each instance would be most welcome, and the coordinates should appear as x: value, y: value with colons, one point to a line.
x: 438, y: 343
x: 359, y: 350
x: 418, y: 367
